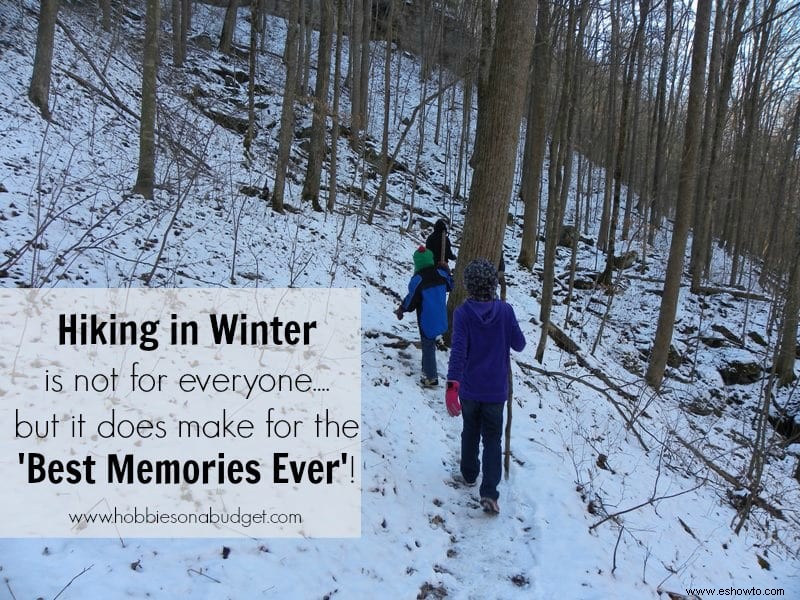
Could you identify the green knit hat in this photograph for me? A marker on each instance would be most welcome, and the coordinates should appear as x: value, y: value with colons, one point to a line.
x: 422, y: 258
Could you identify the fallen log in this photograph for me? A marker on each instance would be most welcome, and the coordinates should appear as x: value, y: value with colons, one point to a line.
x: 745, y: 295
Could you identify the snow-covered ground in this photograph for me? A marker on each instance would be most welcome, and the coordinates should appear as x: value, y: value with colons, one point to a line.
x: 575, y: 459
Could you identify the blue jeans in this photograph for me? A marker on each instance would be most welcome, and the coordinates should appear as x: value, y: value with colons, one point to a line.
x: 428, y: 356
x: 482, y: 421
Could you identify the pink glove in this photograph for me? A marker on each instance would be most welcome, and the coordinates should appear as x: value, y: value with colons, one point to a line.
x: 451, y: 399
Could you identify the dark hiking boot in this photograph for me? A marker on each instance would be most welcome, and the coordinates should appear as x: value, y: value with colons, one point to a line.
x: 431, y: 382
x: 490, y: 506
x: 458, y: 478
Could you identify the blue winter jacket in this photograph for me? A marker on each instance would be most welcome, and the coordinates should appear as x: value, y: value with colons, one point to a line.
x: 483, y: 333
x: 427, y: 294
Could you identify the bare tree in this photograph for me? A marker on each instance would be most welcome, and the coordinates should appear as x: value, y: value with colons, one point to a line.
x: 686, y: 182
x: 287, y: 109
x: 256, y: 8
x: 337, y: 68
x: 229, y: 27
x: 659, y: 122
x: 611, y: 131
x: 105, y: 10
x: 181, y: 15
x: 39, y: 90
x: 186, y: 23
x: 496, y: 144
x: 535, y: 134
x: 316, y: 154
x: 560, y: 167
x: 784, y: 366
x: 644, y: 9
x: 145, y: 178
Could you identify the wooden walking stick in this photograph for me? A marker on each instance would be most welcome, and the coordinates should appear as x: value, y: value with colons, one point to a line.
x: 501, y: 276
x: 443, y: 253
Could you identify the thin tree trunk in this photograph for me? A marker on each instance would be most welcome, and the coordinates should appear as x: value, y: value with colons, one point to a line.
x: 105, y: 9
x: 366, y: 25
x: 701, y: 200
x: 337, y: 68
x: 632, y: 179
x: 726, y: 81
x: 660, y: 119
x: 39, y: 90
x: 316, y: 155
x: 177, y: 51
x: 252, y: 61
x: 387, y: 100
x: 560, y: 166
x: 186, y: 24
x: 638, y: 36
x: 752, y: 122
x: 686, y: 182
x: 611, y: 131
x: 535, y: 136
x: 228, y: 27
x: 784, y: 365
x: 354, y: 63
x: 287, y: 109
x: 145, y: 179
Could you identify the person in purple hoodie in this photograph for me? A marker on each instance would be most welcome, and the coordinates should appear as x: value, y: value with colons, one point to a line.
x: 484, y: 330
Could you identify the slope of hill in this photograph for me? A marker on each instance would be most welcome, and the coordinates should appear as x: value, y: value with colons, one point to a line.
x: 614, y: 491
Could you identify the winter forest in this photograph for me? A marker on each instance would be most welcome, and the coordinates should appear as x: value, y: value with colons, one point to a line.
x: 635, y: 164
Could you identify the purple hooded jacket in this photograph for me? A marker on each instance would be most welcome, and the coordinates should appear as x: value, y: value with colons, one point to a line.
x: 483, y: 333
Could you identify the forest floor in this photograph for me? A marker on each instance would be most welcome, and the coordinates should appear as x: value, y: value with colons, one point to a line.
x: 603, y: 499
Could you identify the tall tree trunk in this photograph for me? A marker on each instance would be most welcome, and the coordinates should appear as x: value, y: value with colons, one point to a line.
x: 354, y: 61
x: 560, y: 164
x: 366, y: 25
x: 177, y: 49
x: 611, y: 131
x: 287, y: 109
x: 660, y: 119
x: 228, y: 27
x: 337, y: 73
x: 787, y: 353
x: 145, y: 179
x: 484, y: 68
x: 753, y: 94
x: 105, y: 9
x: 535, y: 136
x: 496, y: 147
x: 304, y: 45
x: 252, y: 62
x: 316, y: 154
x: 630, y: 65
x: 686, y: 182
x: 186, y: 24
x: 39, y: 90
x: 700, y: 226
x: 387, y: 101
x: 784, y: 366
x: 634, y: 164
x: 714, y: 182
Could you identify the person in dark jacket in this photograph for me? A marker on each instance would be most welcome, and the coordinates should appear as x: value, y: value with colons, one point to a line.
x: 439, y: 244
x: 427, y: 295
x: 484, y: 330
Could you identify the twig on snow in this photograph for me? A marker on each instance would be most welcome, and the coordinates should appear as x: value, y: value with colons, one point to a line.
x: 69, y: 583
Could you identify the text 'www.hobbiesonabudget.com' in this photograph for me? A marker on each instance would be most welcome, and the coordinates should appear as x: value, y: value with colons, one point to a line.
x: 176, y: 400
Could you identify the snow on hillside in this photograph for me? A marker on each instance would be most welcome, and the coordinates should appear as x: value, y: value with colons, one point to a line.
x: 67, y: 220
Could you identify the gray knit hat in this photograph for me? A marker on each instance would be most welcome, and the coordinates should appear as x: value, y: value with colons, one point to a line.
x: 480, y: 279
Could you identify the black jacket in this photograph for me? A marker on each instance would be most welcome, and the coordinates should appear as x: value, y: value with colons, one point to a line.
x: 434, y: 243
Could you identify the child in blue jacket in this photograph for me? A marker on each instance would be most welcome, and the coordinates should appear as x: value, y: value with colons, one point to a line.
x: 484, y: 330
x: 427, y: 295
